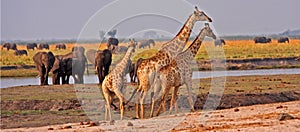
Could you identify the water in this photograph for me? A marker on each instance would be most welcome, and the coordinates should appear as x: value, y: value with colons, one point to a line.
x: 9, y: 82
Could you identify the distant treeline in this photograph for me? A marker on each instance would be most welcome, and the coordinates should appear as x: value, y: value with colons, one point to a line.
x: 83, y: 41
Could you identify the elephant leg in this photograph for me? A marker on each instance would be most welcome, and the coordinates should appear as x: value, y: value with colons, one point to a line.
x: 63, y: 78
x: 55, y: 78
x: 106, y: 70
x: 41, y: 74
x: 46, y: 78
x: 99, y: 72
x: 80, y: 77
x: 67, y: 79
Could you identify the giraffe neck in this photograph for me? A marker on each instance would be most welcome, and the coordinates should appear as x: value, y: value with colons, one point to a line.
x: 196, y: 44
x: 176, y: 45
x: 121, y: 66
x: 185, y: 32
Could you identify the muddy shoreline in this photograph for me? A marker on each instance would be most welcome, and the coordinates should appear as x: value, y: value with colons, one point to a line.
x: 231, y: 64
x: 227, y: 101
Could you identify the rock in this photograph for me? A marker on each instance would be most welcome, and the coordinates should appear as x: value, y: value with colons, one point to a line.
x: 129, y: 124
x: 236, y: 110
x: 67, y: 127
x: 297, y: 92
x: 92, y: 124
x: 81, y: 123
x: 278, y: 107
x: 285, y: 116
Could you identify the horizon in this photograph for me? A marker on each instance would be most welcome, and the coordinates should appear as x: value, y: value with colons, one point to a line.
x: 44, y: 20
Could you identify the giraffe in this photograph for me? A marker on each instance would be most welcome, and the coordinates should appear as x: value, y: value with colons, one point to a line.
x: 179, y: 72
x: 113, y: 84
x: 149, y: 67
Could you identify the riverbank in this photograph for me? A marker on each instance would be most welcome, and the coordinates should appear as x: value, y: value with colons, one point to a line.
x: 34, y: 106
x: 230, y: 64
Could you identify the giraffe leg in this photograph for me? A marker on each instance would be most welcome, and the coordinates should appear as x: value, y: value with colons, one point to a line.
x: 188, y: 86
x: 142, y: 100
x: 165, y: 92
x: 137, y: 110
x: 173, y: 100
x: 108, y: 102
x: 121, y: 98
x: 157, y: 89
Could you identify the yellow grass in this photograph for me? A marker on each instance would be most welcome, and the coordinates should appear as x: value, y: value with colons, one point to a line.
x: 234, y: 49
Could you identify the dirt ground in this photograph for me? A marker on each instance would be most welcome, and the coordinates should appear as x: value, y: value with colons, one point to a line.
x: 35, y: 108
x: 266, y: 117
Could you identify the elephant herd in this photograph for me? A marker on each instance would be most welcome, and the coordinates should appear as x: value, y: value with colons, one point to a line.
x: 30, y: 46
x: 268, y: 40
x: 62, y: 66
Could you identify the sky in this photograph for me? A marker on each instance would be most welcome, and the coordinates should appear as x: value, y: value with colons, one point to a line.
x: 66, y: 19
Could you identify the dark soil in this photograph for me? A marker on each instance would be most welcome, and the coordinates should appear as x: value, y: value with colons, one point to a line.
x: 33, y: 120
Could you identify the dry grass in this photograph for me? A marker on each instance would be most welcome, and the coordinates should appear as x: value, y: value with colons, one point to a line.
x: 234, y: 49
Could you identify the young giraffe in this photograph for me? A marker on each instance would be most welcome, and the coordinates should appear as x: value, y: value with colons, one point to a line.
x: 179, y: 72
x: 113, y: 84
x: 149, y: 67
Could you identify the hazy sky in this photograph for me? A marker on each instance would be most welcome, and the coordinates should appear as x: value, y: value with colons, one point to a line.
x: 46, y: 19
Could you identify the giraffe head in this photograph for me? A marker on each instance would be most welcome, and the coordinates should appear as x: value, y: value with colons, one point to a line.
x: 132, y: 43
x: 200, y: 16
x: 208, y: 32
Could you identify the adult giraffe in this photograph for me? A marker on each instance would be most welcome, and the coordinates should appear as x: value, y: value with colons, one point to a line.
x: 179, y: 72
x: 149, y: 67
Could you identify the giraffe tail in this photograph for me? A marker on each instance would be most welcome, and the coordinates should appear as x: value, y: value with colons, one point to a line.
x: 133, y: 93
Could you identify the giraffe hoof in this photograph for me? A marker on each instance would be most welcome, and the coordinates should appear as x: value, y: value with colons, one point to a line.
x: 135, y: 118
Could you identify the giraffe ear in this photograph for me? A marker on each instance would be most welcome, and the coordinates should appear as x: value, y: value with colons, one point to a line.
x: 196, y: 8
x: 206, y: 25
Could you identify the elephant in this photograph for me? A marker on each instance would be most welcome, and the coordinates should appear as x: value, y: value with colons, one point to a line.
x: 131, y: 71
x: 79, y: 62
x: 44, y: 62
x: 219, y: 42
x: 138, y: 62
x: 9, y: 46
x: 103, y: 61
x: 283, y: 40
x: 62, y: 69
x: 31, y: 46
x: 112, y: 43
x: 262, y: 40
x: 20, y: 52
x: 57, y: 70
x: 146, y: 43
x: 43, y: 46
x: 112, y: 33
x: 60, y: 46
x: 91, y: 55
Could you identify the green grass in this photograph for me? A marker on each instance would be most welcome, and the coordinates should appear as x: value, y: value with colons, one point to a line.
x: 19, y: 73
